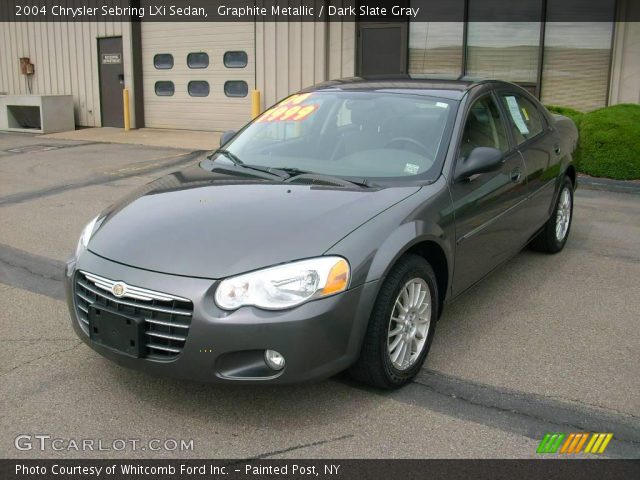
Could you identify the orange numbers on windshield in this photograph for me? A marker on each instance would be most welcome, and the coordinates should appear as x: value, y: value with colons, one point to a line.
x: 289, y: 110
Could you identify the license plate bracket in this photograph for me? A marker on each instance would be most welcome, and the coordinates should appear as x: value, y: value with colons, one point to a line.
x: 117, y: 331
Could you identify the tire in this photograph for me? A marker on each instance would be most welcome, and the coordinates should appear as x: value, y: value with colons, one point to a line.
x: 376, y: 365
x: 553, y: 237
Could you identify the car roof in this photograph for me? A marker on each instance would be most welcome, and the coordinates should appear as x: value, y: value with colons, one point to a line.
x: 445, y: 88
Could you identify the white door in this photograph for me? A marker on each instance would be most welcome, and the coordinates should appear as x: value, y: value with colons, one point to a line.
x: 198, y: 76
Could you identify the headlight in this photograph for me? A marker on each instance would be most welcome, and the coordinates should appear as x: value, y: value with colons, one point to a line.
x: 85, y: 236
x: 285, y: 286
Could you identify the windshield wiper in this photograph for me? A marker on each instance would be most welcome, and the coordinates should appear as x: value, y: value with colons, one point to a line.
x: 362, y: 183
x: 289, y: 173
x: 231, y: 156
x: 282, y: 175
x: 296, y: 172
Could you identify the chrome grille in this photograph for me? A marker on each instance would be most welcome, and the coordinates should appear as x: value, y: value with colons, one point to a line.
x: 166, y: 317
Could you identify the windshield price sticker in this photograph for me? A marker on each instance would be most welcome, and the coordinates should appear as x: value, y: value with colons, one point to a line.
x: 289, y: 110
x: 411, y: 169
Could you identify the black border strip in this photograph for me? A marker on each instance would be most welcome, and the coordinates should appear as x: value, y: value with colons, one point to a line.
x: 283, y: 469
x: 311, y: 10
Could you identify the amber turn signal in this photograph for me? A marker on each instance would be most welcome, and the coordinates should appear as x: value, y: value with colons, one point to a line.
x: 338, y: 278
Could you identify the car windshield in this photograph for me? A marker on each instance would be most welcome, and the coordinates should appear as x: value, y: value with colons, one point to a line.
x: 353, y: 135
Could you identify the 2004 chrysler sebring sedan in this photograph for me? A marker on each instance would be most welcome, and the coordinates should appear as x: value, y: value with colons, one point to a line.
x: 327, y: 234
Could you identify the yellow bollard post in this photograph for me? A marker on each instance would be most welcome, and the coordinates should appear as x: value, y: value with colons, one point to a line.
x: 125, y: 104
x: 255, y: 103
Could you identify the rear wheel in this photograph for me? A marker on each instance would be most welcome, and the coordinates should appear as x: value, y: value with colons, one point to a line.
x: 401, y: 326
x: 556, y: 231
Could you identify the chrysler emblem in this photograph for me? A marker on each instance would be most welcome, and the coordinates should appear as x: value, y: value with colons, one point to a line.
x: 119, y: 289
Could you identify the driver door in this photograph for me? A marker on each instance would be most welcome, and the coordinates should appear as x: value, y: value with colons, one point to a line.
x: 488, y: 207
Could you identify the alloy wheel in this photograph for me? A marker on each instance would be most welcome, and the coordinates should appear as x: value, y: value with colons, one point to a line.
x: 409, y: 324
x: 563, y: 215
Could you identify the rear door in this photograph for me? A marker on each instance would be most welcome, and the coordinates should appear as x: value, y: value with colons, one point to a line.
x: 540, y: 149
x: 488, y: 207
x: 111, y: 72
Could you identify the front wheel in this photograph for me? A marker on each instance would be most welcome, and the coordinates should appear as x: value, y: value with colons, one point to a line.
x: 401, y: 326
x: 556, y: 231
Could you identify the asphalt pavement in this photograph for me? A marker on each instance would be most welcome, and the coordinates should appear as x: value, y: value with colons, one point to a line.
x: 544, y: 344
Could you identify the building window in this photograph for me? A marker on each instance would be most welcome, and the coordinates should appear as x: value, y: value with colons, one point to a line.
x: 163, y: 61
x: 575, y: 71
x: 576, y: 56
x: 198, y: 88
x: 435, y: 48
x: 503, y: 50
x: 236, y: 59
x: 198, y: 60
x: 165, y: 89
x: 236, y: 88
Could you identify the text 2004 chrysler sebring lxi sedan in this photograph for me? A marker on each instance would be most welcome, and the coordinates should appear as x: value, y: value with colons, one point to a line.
x: 325, y: 235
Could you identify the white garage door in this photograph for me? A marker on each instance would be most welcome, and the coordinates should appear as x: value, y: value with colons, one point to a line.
x: 198, y: 76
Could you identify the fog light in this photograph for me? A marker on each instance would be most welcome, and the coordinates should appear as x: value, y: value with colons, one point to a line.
x: 274, y: 359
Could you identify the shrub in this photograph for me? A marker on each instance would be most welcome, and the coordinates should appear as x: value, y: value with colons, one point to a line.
x: 609, y: 144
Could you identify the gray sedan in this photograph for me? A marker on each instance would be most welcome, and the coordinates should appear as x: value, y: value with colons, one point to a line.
x: 326, y: 235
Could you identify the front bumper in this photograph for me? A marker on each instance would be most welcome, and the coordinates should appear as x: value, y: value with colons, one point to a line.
x: 317, y: 339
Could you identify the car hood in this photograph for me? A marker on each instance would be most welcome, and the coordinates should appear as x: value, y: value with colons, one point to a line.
x: 201, y: 224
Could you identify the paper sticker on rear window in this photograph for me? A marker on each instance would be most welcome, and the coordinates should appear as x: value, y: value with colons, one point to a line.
x: 514, y: 110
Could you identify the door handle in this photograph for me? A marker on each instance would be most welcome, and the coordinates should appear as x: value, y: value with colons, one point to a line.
x: 515, y: 175
x: 557, y: 149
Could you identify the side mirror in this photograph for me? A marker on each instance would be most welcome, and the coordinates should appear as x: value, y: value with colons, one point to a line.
x: 226, y: 136
x: 480, y: 160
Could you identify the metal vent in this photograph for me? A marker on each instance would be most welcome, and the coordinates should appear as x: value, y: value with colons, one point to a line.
x: 166, y: 317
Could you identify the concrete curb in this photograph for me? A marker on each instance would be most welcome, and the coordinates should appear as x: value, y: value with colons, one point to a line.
x: 609, y: 185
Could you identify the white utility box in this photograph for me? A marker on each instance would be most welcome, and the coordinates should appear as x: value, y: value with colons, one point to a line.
x: 36, y: 113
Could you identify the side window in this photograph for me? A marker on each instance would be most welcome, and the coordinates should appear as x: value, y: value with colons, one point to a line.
x: 484, y: 127
x: 525, y: 120
x: 164, y: 88
x: 236, y: 88
x: 198, y: 88
x: 163, y: 61
x: 198, y: 60
x: 237, y: 59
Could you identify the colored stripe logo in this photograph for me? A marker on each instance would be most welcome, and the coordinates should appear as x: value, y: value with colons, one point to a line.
x: 596, y: 443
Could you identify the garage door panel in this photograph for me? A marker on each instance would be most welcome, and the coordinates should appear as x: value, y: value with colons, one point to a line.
x: 216, y: 112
